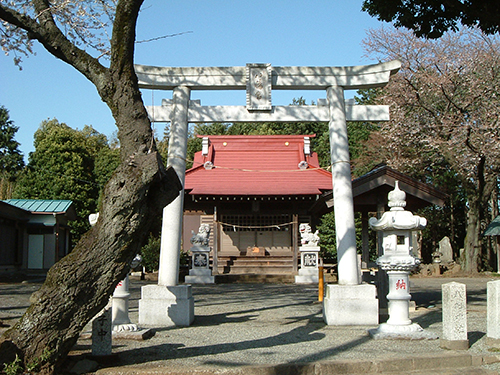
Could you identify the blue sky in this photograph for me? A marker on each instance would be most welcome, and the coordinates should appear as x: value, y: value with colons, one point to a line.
x: 217, y: 33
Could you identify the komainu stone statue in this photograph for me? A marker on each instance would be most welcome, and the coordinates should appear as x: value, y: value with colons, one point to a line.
x: 307, y: 237
x: 201, y: 238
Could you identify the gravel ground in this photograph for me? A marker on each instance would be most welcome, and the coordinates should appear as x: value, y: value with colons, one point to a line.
x: 252, y: 324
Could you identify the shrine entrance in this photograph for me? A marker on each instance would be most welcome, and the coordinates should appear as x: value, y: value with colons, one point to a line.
x: 259, y: 80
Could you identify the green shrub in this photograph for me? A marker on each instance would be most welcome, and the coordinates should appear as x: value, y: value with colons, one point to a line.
x: 151, y: 254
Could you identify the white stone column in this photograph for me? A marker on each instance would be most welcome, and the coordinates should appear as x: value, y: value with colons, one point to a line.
x: 342, y: 189
x: 171, y: 232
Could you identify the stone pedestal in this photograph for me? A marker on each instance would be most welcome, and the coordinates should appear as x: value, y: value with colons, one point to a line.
x: 346, y: 305
x: 120, y: 305
x: 166, y: 306
x: 309, y: 261
x: 399, y: 325
x: 454, y: 317
x: 200, y: 272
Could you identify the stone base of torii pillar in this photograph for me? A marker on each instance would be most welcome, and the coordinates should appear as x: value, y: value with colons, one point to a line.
x: 166, y: 306
x: 346, y: 305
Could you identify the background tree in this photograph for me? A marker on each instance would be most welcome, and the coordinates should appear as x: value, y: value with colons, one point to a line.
x: 11, y: 158
x: 444, y: 117
x: 79, y: 285
x: 431, y: 19
x: 68, y: 164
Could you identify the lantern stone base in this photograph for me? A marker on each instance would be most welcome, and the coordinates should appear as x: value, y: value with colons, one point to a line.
x: 346, y: 305
x: 398, y: 332
x: 165, y: 306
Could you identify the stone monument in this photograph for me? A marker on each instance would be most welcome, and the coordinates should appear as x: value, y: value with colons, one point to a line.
x: 101, y: 334
x: 398, y: 261
x: 200, y: 272
x: 454, y: 317
x: 493, y: 313
x: 309, y: 256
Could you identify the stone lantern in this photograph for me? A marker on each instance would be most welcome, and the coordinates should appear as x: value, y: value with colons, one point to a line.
x: 398, y: 261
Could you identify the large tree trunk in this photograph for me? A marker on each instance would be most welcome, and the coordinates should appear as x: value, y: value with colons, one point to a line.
x: 79, y: 285
x: 472, y: 247
x: 478, y: 197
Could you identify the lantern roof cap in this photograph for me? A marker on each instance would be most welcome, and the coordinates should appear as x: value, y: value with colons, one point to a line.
x: 397, y: 218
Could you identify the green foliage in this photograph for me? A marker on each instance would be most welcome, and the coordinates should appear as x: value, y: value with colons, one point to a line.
x: 35, y: 365
x: 151, y: 254
x: 68, y: 164
x: 105, y: 163
x: 430, y: 18
x: 328, y: 243
x: 11, y: 158
x: 14, y: 367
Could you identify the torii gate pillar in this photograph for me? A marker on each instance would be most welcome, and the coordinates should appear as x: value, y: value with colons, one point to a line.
x: 170, y: 304
x: 342, y: 189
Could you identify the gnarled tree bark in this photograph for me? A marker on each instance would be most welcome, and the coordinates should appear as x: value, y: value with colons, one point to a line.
x: 79, y: 285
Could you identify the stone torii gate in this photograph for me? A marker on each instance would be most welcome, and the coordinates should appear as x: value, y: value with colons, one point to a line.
x: 171, y: 304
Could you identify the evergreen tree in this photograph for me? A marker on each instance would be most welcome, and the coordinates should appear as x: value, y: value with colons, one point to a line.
x: 11, y: 158
x: 63, y: 166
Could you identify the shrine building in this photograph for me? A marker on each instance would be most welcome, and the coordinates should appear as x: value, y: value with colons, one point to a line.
x: 253, y: 191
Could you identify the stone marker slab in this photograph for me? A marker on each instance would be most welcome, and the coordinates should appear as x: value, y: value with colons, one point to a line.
x: 454, y: 335
x: 493, y: 313
x: 101, y: 334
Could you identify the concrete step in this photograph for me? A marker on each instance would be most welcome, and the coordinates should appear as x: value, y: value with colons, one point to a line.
x: 428, y: 365
x: 456, y: 371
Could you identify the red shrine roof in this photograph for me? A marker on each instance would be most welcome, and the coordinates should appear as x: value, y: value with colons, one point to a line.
x: 256, y: 165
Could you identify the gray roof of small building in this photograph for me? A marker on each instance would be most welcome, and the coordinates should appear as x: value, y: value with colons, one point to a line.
x: 494, y: 228
x: 45, y: 206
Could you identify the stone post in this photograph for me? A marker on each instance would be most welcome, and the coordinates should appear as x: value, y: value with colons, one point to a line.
x: 170, y: 304
x: 101, y: 334
x: 493, y: 313
x: 454, y: 317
